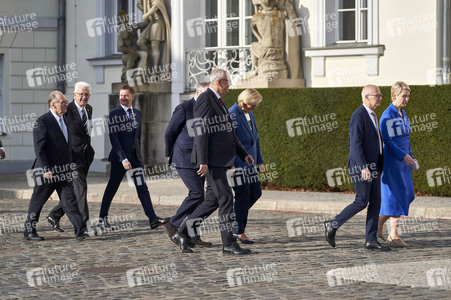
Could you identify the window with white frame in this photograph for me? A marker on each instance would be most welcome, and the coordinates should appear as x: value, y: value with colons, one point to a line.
x: 228, y: 33
x: 352, y: 30
x: 352, y: 21
x: 228, y: 23
x: 111, y: 10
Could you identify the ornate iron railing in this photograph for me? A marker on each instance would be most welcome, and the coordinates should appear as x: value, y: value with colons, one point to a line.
x: 200, y: 62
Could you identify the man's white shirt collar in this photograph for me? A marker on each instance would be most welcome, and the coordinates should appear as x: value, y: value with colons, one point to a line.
x: 217, y: 95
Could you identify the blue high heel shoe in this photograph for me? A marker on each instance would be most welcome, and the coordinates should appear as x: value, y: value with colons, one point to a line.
x: 241, y: 240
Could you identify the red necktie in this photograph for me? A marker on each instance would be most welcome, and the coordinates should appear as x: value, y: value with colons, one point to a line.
x: 222, y: 103
x: 378, y: 133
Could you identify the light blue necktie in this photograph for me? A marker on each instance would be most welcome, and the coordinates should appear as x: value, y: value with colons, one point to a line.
x: 63, y: 128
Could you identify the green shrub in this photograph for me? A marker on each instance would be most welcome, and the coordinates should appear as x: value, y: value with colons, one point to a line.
x: 302, y: 160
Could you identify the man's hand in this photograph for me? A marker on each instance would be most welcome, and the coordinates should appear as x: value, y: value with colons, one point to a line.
x: 408, y: 160
x: 260, y: 168
x: 2, y: 153
x: 48, y: 175
x: 202, y: 170
x: 127, y: 165
x: 249, y: 160
x: 366, y: 174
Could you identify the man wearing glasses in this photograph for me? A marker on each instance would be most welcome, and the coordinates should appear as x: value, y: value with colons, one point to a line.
x: 365, y: 164
x: 79, y: 124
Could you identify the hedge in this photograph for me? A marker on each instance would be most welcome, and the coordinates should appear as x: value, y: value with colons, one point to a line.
x: 302, y: 160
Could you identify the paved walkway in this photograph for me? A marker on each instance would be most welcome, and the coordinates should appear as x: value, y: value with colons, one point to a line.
x: 170, y: 190
x: 290, y: 259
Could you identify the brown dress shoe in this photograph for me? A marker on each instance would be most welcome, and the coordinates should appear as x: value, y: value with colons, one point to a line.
x: 200, y: 243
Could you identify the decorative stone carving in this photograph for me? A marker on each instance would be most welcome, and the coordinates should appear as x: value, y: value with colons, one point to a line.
x: 156, y: 34
x: 277, y: 53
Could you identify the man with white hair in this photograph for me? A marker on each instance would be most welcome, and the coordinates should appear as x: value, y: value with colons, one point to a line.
x: 214, y: 150
x: 79, y: 123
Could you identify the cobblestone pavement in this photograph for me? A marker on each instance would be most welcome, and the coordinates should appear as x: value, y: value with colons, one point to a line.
x: 290, y: 260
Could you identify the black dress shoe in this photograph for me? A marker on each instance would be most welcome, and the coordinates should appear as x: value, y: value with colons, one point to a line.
x: 83, y: 236
x: 55, y: 224
x: 330, y: 233
x: 243, y: 241
x: 375, y: 245
x: 158, y: 222
x: 235, y: 249
x: 182, y: 242
x: 200, y: 243
x: 33, y: 236
x: 170, y: 229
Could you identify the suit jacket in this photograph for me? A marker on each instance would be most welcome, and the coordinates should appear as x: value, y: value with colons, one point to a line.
x: 50, y: 144
x: 124, y: 137
x: 82, y: 151
x: 248, y: 138
x: 364, y: 140
x: 178, y: 142
x: 215, y: 142
x: 1, y: 144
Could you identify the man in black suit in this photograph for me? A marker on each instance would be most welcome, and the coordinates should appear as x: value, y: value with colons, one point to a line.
x: 365, y: 167
x: 124, y: 126
x: 179, y: 145
x: 53, y: 168
x: 215, y: 148
x: 79, y: 123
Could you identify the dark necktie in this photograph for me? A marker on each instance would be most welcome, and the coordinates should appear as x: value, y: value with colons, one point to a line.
x: 222, y: 104
x: 84, y: 120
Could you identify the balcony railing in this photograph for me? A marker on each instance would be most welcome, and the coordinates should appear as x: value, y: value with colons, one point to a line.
x: 200, y: 62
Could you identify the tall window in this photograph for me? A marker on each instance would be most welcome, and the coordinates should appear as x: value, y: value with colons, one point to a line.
x: 228, y: 23
x: 352, y: 21
x: 228, y: 29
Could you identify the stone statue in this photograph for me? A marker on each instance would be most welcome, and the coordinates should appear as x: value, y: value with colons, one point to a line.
x: 127, y: 38
x: 157, y: 32
x: 292, y: 44
x: 267, y: 54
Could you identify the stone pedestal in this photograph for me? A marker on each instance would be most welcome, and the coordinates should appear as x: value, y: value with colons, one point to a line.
x: 154, y: 102
x: 261, y: 82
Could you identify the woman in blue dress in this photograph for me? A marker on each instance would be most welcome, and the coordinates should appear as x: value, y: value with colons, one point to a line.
x: 396, y: 186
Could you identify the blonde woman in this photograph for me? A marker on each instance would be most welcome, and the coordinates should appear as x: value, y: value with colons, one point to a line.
x: 249, y: 191
x: 396, y: 186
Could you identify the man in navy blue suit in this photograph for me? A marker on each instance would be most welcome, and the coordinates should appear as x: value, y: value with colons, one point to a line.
x: 179, y: 144
x: 53, y: 168
x: 214, y: 149
x: 124, y: 126
x: 365, y: 167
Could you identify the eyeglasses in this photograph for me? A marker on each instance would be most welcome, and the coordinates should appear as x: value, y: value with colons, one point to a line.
x: 63, y: 102
x: 228, y: 82
x: 376, y: 95
x: 81, y: 94
x: 253, y: 105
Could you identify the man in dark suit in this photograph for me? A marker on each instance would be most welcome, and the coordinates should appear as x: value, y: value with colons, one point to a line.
x: 53, y: 168
x: 365, y: 167
x: 79, y: 123
x: 215, y: 148
x: 2, y: 151
x: 179, y: 145
x: 124, y: 128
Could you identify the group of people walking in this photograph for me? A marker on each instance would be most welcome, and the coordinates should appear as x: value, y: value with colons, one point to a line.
x: 226, y: 144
